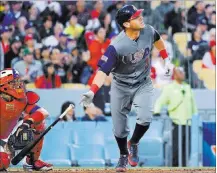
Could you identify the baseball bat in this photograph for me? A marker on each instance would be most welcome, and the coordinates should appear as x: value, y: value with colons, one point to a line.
x: 32, y: 144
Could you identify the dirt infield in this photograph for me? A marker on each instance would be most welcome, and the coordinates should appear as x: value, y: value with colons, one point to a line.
x: 131, y: 170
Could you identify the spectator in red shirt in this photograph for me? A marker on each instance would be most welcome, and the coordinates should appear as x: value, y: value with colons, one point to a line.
x: 97, y: 48
x: 209, y: 59
x: 49, y: 79
x: 5, y: 35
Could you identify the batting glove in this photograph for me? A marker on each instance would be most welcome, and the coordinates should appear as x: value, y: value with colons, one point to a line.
x: 168, y: 67
x: 87, y: 99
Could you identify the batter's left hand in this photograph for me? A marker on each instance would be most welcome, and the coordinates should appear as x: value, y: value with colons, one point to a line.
x: 168, y: 67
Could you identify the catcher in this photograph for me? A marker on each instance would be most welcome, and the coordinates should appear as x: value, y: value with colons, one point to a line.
x: 22, y: 120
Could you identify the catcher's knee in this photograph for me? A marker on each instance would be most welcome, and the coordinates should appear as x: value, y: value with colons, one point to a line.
x: 4, y: 160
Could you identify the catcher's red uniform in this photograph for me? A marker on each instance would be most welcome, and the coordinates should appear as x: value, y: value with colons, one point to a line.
x: 15, y: 102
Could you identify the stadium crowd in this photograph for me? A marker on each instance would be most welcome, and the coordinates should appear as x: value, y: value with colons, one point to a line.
x: 51, y: 43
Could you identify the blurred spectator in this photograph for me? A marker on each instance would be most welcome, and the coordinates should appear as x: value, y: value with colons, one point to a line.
x: 209, y: 59
x: 53, y: 40
x: 49, y: 79
x: 62, y: 42
x: 97, y: 47
x: 175, y: 18
x: 56, y: 59
x: 45, y: 53
x: 158, y: 77
x: 196, y: 40
x: 105, y: 22
x: 195, y: 12
x: 46, y: 29
x: 70, y: 116
x: 29, y: 42
x: 180, y: 109
x: 76, y: 67
x: 98, y: 7
x: 5, y: 36
x: 212, y: 22
x: 212, y: 34
x: 30, y: 29
x: 203, y: 26
x: 1, y: 57
x: 13, y: 52
x: 33, y: 14
x: 208, y: 12
x: 16, y: 9
x: 81, y: 12
x: 159, y: 14
x: 37, y: 51
x: 20, y: 27
x: 168, y: 44
x: 74, y: 29
x: 28, y: 68
x: 93, y: 113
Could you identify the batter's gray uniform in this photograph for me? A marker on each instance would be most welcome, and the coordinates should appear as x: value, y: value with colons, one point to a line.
x: 129, y: 61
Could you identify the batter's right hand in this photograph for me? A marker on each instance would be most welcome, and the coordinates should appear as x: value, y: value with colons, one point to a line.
x: 87, y: 99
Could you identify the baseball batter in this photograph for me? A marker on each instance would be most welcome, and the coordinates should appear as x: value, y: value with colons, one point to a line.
x: 128, y: 59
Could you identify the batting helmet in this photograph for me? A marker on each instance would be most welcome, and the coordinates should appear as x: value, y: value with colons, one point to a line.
x: 127, y: 13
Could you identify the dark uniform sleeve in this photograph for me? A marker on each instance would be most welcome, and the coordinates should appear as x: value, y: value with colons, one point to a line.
x: 156, y: 35
x: 108, y: 61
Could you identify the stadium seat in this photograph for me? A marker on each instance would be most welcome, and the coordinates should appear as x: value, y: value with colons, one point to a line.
x: 82, y: 125
x: 84, y: 137
x: 59, y: 125
x: 181, y: 39
x: 197, y: 66
x: 112, y: 153
x: 56, y: 147
x: 208, y: 76
x: 88, y: 155
x: 151, y: 152
x: 107, y: 129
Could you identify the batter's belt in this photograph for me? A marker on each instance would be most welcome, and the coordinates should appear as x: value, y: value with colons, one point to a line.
x: 130, y: 84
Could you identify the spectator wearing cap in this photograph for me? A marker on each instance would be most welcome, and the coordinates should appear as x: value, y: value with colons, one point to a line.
x: 62, y: 42
x: 46, y: 29
x: 203, y: 26
x: 16, y: 7
x: 30, y: 29
x: 175, y: 18
x: 15, y: 46
x: 20, y: 27
x: 209, y: 59
x: 74, y: 29
x: 5, y: 36
x: 196, y: 12
x: 28, y: 68
x: 29, y: 42
x: 49, y: 79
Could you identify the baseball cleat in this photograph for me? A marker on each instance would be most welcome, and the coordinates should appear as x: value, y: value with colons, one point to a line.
x: 133, y: 157
x: 122, y: 164
x: 37, y: 165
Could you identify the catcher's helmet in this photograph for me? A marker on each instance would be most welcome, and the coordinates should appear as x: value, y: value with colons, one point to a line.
x: 127, y: 13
